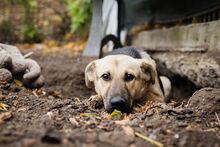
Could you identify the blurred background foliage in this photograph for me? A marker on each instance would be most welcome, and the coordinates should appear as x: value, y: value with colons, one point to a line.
x: 31, y: 21
x: 80, y: 14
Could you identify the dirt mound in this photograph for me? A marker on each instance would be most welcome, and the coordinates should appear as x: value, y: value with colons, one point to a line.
x: 205, y: 101
x: 59, y: 115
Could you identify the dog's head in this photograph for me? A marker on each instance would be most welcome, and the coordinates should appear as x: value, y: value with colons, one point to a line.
x: 120, y: 80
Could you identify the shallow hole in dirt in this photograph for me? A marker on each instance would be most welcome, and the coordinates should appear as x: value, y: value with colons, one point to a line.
x: 65, y: 75
x: 182, y: 89
x: 63, y: 120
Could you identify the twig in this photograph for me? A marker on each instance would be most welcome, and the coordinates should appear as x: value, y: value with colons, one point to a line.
x: 217, y: 117
x: 158, y: 144
x: 35, y: 93
x: 28, y: 55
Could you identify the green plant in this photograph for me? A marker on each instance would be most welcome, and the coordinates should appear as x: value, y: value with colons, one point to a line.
x: 6, y: 31
x: 79, y: 12
x: 30, y: 32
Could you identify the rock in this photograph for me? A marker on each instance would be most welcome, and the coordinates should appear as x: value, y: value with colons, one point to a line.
x: 50, y: 114
x: 73, y: 121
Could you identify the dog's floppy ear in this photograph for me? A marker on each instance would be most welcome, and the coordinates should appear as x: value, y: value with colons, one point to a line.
x: 90, y: 74
x: 149, y: 72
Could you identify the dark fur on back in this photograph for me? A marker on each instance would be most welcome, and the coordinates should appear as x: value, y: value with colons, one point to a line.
x: 130, y: 51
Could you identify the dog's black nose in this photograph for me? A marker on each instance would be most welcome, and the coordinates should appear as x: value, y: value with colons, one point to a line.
x: 118, y: 103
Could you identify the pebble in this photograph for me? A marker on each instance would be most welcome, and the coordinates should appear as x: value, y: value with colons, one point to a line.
x: 74, y: 122
x: 50, y: 114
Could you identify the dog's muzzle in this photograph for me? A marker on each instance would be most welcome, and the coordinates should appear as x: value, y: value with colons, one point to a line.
x: 118, y: 103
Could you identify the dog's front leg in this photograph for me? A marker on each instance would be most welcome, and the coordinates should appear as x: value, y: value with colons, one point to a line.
x: 96, y: 101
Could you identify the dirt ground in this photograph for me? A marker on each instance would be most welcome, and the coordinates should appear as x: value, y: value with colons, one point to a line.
x: 59, y: 114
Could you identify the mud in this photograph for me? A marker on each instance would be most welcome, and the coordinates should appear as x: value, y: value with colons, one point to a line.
x: 59, y: 114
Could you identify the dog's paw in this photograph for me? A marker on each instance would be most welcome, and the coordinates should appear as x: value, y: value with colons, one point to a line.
x: 96, y: 102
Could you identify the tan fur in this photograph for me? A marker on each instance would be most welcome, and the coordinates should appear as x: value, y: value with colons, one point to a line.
x: 145, y: 85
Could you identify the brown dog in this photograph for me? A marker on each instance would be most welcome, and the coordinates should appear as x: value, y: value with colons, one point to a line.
x: 122, y: 78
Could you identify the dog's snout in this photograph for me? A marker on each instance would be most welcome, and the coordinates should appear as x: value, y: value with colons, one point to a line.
x: 119, y: 103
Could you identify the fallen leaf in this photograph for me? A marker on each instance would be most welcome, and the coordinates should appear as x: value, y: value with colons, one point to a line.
x: 56, y: 94
x: 3, y: 106
x: 144, y: 108
x: 69, y: 45
x: 51, y: 43
x: 18, y: 83
x: 4, y: 116
x: 35, y: 94
x: 91, y: 115
x: 115, y: 113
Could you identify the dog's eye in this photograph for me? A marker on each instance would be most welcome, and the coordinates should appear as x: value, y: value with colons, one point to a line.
x: 106, y: 77
x: 129, y: 77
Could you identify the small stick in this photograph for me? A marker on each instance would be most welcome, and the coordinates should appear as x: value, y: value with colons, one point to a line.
x: 35, y: 93
x: 28, y: 55
x: 158, y: 144
x: 217, y: 117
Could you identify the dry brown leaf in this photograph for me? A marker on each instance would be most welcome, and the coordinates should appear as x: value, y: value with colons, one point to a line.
x: 56, y: 94
x: 39, y: 92
x: 18, y: 83
x: 148, y: 105
x: 69, y: 45
x: 51, y: 46
x: 35, y: 93
x: 3, y: 106
x: 51, y: 43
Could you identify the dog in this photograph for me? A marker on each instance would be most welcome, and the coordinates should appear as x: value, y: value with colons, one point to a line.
x: 124, y: 77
